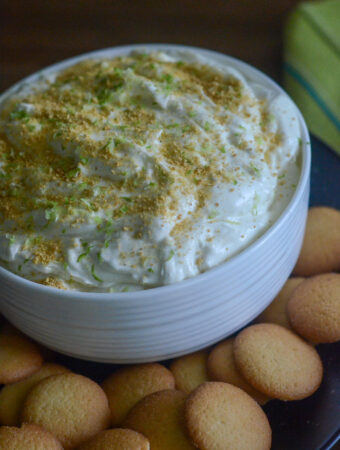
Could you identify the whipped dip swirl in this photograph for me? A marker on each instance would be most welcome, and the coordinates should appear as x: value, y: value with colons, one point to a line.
x: 140, y: 171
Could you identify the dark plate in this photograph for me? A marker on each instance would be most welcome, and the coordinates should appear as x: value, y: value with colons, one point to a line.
x: 314, y: 423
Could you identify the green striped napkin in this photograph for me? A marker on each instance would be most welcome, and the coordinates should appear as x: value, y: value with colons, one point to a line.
x: 312, y: 66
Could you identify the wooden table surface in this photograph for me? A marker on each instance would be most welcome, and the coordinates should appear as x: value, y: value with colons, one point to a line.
x: 36, y: 33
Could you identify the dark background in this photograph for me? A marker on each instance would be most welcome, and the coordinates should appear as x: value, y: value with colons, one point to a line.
x: 36, y: 33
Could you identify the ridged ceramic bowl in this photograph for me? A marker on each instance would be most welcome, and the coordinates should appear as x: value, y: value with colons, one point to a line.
x: 171, y: 320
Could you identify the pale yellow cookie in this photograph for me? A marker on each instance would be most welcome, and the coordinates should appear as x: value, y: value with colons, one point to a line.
x: 117, y: 439
x: 72, y: 407
x: 28, y: 437
x: 276, y: 312
x: 19, y: 358
x: 321, y: 245
x: 221, y: 367
x: 190, y: 370
x: 314, y: 308
x: 220, y: 416
x: 160, y: 417
x: 10, y: 330
x: 277, y: 362
x: 12, y: 396
x: 125, y: 387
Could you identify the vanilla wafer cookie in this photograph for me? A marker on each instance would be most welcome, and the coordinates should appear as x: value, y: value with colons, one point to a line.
x: 117, y: 439
x: 190, y: 370
x: 12, y: 396
x: 320, y: 251
x: 277, y: 362
x: 19, y: 358
x: 221, y: 416
x: 72, y: 407
x: 28, y: 437
x: 221, y: 367
x: 160, y: 417
x: 314, y: 308
x: 125, y: 387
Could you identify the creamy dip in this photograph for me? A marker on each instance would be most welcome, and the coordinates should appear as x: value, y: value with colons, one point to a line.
x: 140, y: 171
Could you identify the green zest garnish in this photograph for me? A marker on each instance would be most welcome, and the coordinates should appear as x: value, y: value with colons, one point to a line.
x: 88, y: 204
x: 86, y: 253
x: 172, y: 125
x: 254, y: 168
x: 84, y: 160
x: 212, y: 215
x: 259, y: 140
x: 232, y: 222
x: 94, y: 274
x: 98, y: 220
x: 73, y: 172
x: 19, y: 115
x: 255, y: 204
x: 150, y: 269
x: 53, y: 212
x: 168, y: 80
x: 110, y: 145
x: 222, y: 150
x: 171, y: 255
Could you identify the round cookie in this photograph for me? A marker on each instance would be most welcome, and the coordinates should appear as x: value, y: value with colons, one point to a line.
x: 276, y: 312
x: 314, y: 308
x: 28, y: 437
x: 221, y: 416
x: 320, y: 251
x: 19, y: 358
x: 160, y: 417
x: 72, y: 407
x: 190, y: 371
x: 277, y: 362
x: 12, y: 396
x: 117, y: 439
x: 221, y: 367
x: 10, y: 330
x: 125, y: 387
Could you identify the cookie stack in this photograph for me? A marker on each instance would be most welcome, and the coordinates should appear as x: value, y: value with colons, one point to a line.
x: 210, y: 399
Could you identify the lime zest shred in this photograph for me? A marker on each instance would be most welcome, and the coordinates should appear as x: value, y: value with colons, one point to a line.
x: 93, y: 273
x: 86, y: 253
x: 212, y: 215
x: 171, y: 255
x: 19, y: 115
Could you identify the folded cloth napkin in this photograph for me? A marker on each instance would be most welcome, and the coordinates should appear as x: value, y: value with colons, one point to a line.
x: 312, y: 66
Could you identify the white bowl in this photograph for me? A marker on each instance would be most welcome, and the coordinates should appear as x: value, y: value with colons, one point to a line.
x: 172, y: 320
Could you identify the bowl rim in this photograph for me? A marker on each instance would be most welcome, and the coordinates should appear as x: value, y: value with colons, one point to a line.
x: 240, y: 257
